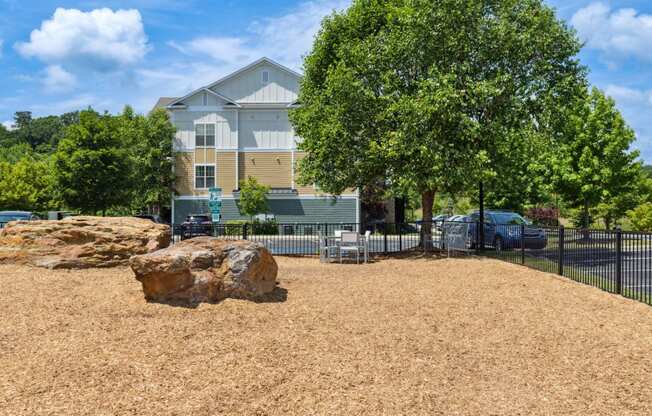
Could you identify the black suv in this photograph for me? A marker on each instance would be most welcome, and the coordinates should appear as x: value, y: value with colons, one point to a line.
x: 196, y: 225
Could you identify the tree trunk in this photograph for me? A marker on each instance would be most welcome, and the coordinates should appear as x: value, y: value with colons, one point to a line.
x: 427, y: 199
x: 607, y: 222
x: 586, y: 235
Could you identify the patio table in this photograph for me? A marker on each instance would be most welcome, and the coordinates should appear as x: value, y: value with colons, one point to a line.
x: 329, y: 249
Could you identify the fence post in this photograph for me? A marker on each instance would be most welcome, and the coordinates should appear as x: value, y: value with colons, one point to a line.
x: 385, y: 238
x: 400, y: 239
x: 522, y: 243
x: 561, y: 250
x: 619, y: 261
x: 245, y: 226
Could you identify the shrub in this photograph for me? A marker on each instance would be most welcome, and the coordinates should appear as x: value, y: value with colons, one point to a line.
x: 543, y: 215
x: 641, y: 217
x: 235, y: 227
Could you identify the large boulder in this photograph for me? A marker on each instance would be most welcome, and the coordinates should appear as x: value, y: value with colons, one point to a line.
x: 206, y: 269
x: 80, y: 242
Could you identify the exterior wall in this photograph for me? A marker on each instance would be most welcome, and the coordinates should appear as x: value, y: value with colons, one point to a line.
x: 285, y: 210
x: 226, y: 131
x: 198, y: 99
x: 183, y: 170
x: 226, y: 174
x: 265, y: 129
x: 273, y: 169
x: 248, y: 87
x: 205, y: 156
x: 224, y: 171
x: 256, y: 140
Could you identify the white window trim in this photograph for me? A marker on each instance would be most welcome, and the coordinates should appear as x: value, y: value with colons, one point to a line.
x: 194, y: 134
x: 194, y: 175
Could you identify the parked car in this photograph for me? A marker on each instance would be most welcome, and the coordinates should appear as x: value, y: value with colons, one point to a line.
x: 459, y: 218
x: 196, y: 225
x: 502, y: 230
x: 6, y: 216
x: 59, y: 215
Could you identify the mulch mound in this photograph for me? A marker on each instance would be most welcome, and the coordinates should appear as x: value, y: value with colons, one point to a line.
x: 401, y: 336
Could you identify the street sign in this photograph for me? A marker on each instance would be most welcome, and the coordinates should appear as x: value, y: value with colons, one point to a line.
x: 215, y: 203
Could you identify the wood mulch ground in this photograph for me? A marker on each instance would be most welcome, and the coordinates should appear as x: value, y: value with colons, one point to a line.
x: 397, y: 337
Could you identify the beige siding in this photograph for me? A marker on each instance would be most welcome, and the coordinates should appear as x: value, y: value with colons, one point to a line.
x: 270, y: 168
x: 204, y: 156
x: 226, y: 178
x: 184, y: 172
x: 248, y: 87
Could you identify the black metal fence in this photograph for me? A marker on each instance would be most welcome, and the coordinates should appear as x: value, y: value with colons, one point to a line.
x: 615, y: 261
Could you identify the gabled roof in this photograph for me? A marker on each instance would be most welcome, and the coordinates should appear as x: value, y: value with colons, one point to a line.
x: 233, y: 75
x: 217, y: 94
x: 178, y: 101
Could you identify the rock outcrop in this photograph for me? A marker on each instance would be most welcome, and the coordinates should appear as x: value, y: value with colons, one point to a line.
x: 206, y: 269
x: 80, y: 242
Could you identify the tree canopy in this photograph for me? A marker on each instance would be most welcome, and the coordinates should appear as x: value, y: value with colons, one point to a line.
x: 253, y: 199
x: 418, y: 93
x: 92, y: 166
x: 595, y: 166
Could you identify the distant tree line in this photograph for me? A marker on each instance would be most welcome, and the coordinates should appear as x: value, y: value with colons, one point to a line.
x: 87, y: 162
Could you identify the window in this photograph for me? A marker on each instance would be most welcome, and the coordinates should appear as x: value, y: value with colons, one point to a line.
x: 265, y: 76
x: 204, y: 135
x: 204, y: 176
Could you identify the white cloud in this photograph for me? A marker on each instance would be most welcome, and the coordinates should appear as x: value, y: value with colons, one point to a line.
x: 9, y: 124
x: 57, y: 79
x: 100, y: 39
x: 626, y: 95
x: 289, y: 37
x: 286, y: 38
x: 222, y: 49
x: 618, y: 33
x: 77, y: 102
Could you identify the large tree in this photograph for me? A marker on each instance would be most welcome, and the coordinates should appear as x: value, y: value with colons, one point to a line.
x: 26, y: 184
x: 415, y: 92
x: 149, y: 139
x: 595, y: 167
x: 92, y: 165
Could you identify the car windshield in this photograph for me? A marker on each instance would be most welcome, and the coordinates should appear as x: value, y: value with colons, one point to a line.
x: 13, y: 217
x: 509, y: 218
x: 198, y: 218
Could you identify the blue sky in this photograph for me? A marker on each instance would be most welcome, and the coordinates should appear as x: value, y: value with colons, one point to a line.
x: 57, y: 56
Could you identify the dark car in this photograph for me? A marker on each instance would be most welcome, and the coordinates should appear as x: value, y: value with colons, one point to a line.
x: 196, y: 225
x: 6, y: 216
x: 502, y: 230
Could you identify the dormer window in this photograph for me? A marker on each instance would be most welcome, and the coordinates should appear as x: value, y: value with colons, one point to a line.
x: 265, y: 77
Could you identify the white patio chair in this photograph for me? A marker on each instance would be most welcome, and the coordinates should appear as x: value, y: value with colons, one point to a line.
x: 367, y: 238
x: 350, y: 243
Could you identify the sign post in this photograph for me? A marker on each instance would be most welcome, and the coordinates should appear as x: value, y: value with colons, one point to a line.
x: 215, y: 203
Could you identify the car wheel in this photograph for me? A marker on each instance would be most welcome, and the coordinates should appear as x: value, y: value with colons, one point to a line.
x: 498, y: 244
